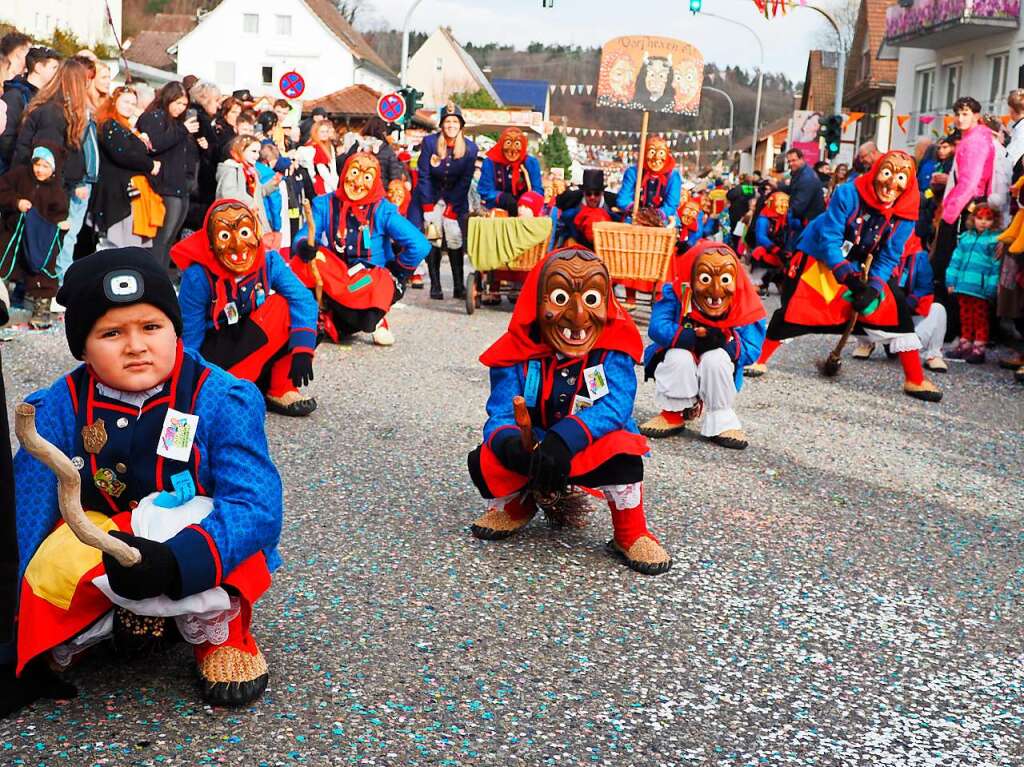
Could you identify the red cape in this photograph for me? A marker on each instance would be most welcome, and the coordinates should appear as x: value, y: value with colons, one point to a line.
x: 746, y: 305
x: 518, y: 343
x: 906, y: 205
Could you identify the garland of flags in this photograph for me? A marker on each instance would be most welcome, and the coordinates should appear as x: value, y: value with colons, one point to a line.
x: 903, y: 120
x: 674, y: 136
x: 576, y: 89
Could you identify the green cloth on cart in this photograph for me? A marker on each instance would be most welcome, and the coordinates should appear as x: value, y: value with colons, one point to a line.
x: 496, y: 242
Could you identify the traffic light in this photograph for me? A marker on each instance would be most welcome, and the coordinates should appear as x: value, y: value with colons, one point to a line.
x: 695, y: 6
x: 832, y: 131
x: 413, y: 103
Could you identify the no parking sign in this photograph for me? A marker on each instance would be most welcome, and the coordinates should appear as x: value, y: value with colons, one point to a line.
x: 391, y: 107
x: 292, y: 85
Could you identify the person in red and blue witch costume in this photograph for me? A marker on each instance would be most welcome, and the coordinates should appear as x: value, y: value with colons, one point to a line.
x: 509, y: 171
x: 874, y: 215
x: 706, y: 326
x: 662, y: 184
x: 694, y: 223
x: 173, y: 461
x: 770, y: 233
x: 582, y: 208
x: 244, y: 309
x: 344, y: 253
x: 569, y: 352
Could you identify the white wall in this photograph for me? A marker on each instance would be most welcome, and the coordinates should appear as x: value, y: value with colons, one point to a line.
x: 975, y: 59
x: 439, y: 80
x: 220, y: 50
x: 86, y: 18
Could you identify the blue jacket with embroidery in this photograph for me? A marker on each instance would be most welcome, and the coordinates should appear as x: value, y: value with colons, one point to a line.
x: 824, y: 236
x: 667, y: 332
x: 387, y: 225
x: 670, y: 202
x: 488, y: 188
x: 196, y: 297
x: 550, y: 399
x: 235, y: 469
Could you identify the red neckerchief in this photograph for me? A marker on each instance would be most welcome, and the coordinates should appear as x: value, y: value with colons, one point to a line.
x: 906, y: 205
x: 746, y: 306
x: 361, y: 209
x: 519, y: 344
x: 195, y: 249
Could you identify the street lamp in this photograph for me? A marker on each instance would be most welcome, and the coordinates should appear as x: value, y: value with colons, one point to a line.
x: 731, y: 112
x: 405, y: 39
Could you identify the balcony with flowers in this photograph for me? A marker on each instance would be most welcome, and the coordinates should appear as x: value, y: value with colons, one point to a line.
x: 939, y: 23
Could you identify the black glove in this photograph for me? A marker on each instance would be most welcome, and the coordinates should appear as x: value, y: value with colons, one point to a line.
x: 712, y: 339
x: 685, y: 340
x: 512, y: 455
x: 847, y: 273
x: 863, y: 296
x: 155, y: 574
x: 36, y: 681
x: 507, y: 201
x: 301, y: 371
x: 549, y: 469
x: 401, y: 277
x: 305, y: 251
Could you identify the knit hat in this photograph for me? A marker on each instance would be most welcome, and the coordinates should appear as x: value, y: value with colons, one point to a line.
x: 109, y: 279
x: 534, y: 201
x: 41, y: 153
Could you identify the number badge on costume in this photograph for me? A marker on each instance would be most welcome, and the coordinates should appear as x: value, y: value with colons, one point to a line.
x: 597, y: 384
x: 177, y: 435
x: 94, y: 436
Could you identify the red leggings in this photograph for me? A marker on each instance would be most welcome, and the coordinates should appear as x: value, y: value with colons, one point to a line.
x: 973, y: 319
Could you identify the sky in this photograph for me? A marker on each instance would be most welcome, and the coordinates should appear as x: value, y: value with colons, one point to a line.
x: 590, y: 22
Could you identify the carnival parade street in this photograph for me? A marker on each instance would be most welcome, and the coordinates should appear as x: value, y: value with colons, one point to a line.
x: 846, y: 591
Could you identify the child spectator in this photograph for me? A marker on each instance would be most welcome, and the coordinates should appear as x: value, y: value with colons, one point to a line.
x: 238, y: 179
x: 973, y: 276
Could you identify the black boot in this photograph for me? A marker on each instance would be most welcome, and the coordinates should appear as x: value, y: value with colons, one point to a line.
x: 455, y: 256
x: 434, y: 270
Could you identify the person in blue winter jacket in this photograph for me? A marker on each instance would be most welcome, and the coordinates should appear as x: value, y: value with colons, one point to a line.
x: 706, y: 326
x: 244, y: 310
x: 508, y: 172
x: 171, y: 460
x: 343, y: 253
x: 661, y: 183
x: 973, y: 276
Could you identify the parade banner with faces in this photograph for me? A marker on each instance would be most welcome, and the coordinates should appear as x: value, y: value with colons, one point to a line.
x: 653, y: 74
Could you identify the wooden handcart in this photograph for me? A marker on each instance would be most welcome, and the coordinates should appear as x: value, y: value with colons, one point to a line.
x: 494, y: 275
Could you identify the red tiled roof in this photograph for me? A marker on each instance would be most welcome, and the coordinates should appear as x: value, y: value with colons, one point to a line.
x: 355, y: 100
x: 150, y: 49
x: 172, y: 22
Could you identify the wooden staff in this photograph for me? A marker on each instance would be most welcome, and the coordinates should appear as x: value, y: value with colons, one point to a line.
x: 69, y: 485
x: 307, y: 213
x: 830, y: 367
x: 640, y: 164
x: 522, y: 414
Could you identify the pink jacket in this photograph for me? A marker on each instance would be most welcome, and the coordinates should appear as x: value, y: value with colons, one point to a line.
x: 972, y: 169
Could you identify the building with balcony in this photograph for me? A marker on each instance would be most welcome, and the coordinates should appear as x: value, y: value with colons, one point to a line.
x: 948, y: 49
x: 870, y: 81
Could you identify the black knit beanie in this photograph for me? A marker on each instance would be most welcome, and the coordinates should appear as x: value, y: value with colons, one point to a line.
x: 109, y: 279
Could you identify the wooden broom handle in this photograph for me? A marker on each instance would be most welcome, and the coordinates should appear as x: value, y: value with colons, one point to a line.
x: 69, y: 484
x: 522, y: 414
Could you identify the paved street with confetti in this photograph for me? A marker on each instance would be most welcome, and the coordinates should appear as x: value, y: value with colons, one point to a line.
x: 847, y: 591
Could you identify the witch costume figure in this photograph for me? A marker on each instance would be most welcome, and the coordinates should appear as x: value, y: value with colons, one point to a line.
x: 843, y: 267
x: 344, y: 253
x: 244, y: 310
x: 707, y: 324
x: 173, y: 505
x: 661, y: 182
x: 508, y: 172
x: 770, y: 233
x: 569, y: 353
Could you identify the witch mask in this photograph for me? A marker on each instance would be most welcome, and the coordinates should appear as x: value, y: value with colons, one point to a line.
x: 689, y: 212
x: 894, y: 173
x: 397, y: 192
x: 714, y: 282
x: 234, y: 236
x: 361, y: 175
x: 779, y: 202
x: 656, y: 155
x: 513, y: 145
x: 573, y: 301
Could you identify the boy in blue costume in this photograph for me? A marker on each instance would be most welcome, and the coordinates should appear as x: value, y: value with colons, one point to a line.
x: 708, y: 324
x: 243, y: 308
x: 173, y: 461
x: 508, y: 172
x: 343, y: 253
x: 569, y: 353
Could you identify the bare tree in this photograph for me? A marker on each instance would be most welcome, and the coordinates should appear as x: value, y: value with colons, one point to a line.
x: 356, y: 12
x: 845, y: 13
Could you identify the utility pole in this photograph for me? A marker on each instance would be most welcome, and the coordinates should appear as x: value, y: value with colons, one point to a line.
x: 731, y: 111
x: 405, y: 40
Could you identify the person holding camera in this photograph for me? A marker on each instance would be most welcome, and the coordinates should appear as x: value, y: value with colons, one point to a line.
x: 172, y: 127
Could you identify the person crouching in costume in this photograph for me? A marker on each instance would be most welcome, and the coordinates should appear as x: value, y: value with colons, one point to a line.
x: 244, y: 310
x: 173, y: 461
x: 569, y: 352
x: 871, y: 218
x: 344, y: 255
x: 508, y: 172
x: 770, y: 234
x: 706, y: 326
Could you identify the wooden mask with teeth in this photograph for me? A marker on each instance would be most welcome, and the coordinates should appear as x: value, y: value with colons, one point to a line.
x: 714, y: 282
x: 572, y: 305
x: 234, y: 236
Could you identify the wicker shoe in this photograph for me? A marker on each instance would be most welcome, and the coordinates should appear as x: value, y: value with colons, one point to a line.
x: 233, y: 677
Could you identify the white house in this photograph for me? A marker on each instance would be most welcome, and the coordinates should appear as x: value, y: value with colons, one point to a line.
x: 947, y: 50
x: 252, y: 43
x: 441, y: 67
x: 86, y: 18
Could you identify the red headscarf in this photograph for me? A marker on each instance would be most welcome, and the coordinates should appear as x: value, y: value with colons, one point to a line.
x: 906, y: 205
x: 746, y: 306
x: 359, y: 208
x: 195, y: 249
x: 515, y: 169
x: 522, y: 342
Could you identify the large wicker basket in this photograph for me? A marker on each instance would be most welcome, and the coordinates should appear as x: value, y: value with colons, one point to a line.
x: 529, y: 258
x: 634, y: 252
